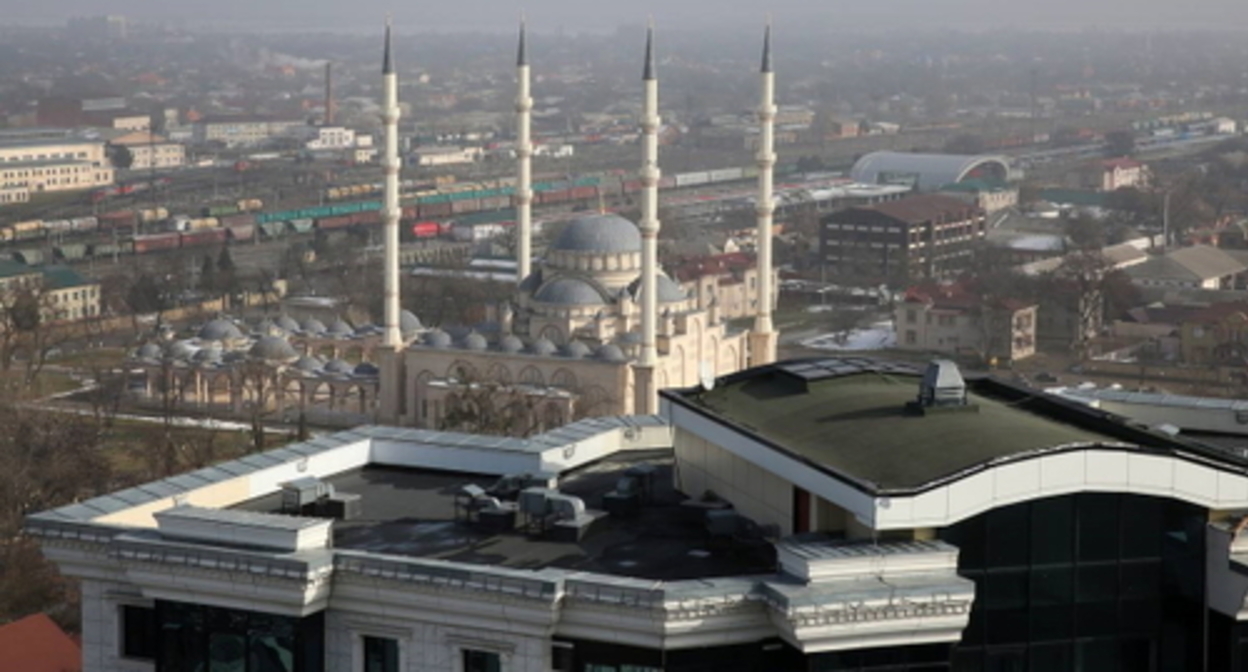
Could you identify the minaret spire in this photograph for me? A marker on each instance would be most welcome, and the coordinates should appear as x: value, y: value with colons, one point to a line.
x: 387, y: 65
x: 524, y: 153
x: 763, y: 337
x: 645, y: 381
x: 390, y: 205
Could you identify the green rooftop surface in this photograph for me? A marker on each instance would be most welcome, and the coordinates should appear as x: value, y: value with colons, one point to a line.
x: 63, y: 277
x: 857, y: 426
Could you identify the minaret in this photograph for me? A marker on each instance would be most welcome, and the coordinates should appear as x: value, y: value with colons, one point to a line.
x: 763, y: 337
x: 646, y: 388
x: 390, y: 203
x: 524, y: 174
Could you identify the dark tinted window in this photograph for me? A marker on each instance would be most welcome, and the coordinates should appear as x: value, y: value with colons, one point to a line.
x: 138, y: 628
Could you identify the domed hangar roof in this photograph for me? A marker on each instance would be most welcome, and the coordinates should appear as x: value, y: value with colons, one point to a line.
x: 926, y: 171
x: 600, y: 234
x: 569, y: 292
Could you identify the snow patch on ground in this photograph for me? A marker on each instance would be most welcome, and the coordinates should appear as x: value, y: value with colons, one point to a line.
x: 876, y: 337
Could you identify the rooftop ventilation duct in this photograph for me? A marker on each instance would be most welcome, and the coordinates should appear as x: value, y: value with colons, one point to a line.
x: 942, y: 385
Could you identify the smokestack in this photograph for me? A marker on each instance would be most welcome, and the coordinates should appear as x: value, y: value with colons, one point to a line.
x: 524, y: 153
x: 329, y: 93
x: 763, y: 337
x: 647, y: 400
x: 390, y: 205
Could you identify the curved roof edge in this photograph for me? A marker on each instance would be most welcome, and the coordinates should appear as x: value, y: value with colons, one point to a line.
x: 933, y: 170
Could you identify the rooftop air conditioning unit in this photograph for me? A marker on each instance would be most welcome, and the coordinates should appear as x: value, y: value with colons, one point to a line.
x: 303, y: 492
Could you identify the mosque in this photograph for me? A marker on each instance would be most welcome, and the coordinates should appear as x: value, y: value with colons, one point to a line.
x: 595, y: 328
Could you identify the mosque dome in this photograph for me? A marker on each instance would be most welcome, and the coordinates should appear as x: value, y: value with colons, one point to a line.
x: 219, y: 329
x: 408, y: 322
x: 474, y: 341
x: 309, y: 364
x: 669, y: 290
x: 182, y: 350
x: 438, y: 339
x: 339, y: 329
x: 265, y: 327
x: 338, y: 366
x: 510, y: 343
x: 569, y: 292
x: 542, y: 347
x: 273, y: 349
x: 312, y: 326
x: 575, y: 350
x: 148, y: 351
x: 287, y: 323
x: 610, y: 353
x: 366, y: 369
x: 598, y: 234
x: 210, y: 355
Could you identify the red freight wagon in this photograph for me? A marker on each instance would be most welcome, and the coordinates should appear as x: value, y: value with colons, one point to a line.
x: 327, y: 223
x: 632, y: 186
x: 112, y: 220
x: 426, y: 229
x: 157, y: 242
x: 203, y: 237
x: 367, y: 217
x: 410, y: 212
x: 430, y: 210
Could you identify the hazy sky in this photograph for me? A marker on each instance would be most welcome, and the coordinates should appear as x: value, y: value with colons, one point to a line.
x: 599, y: 16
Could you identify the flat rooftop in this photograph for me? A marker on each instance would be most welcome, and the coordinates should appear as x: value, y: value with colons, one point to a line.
x: 411, y: 512
x: 849, y: 416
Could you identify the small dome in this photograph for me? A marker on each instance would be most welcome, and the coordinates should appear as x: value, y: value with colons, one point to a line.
x: 339, y: 329
x: 598, y: 234
x: 182, y: 350
x: 531, y: 282
x: 309, y: 364
x: 409, y: 323
x: 438, y: 339
x: 148, y: 351
x: 543, y: 347
x: 669, y: 291
x: 266, y: 327
x: 569, y: 292
x: 575, y: 350
x: 219, y: 329
x: 474, y: 341
x: 207, y: 356
x: 511, y: 344
x: 610, y: 353
x: 312, y: 326
x: 366, y: 329
x: 287, y: 323
x: 273, y: 349
x: 338, y: 366
x: 366, y: 369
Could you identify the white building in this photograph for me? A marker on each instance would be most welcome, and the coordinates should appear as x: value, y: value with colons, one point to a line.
x: 332, y: 137
x: 151, y: 151
x: 818, y: 515
x: 445, y: 156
